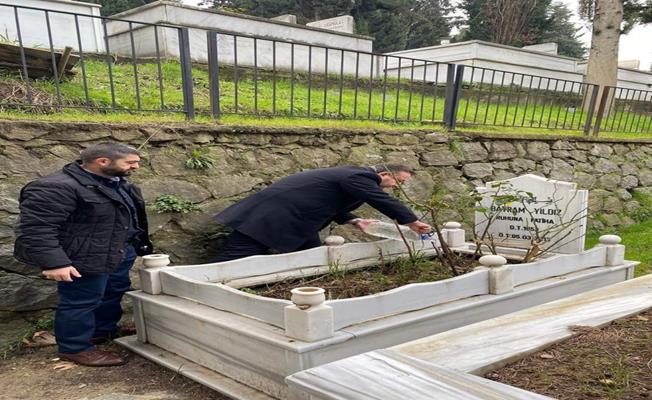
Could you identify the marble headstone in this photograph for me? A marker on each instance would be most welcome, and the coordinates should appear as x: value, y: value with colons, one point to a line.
x: 344, y: 23
x: 289, y: 18
x: 556, y: 209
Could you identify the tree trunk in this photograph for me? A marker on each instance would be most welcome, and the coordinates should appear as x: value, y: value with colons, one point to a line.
x: 602, y: 68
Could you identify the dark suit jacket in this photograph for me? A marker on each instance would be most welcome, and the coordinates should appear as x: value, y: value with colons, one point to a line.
x: 286, y: 214
x: 69, y: 218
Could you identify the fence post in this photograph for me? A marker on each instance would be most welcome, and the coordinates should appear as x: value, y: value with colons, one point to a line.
x: 591, y: 110
x: 213, y: 74
x: 453, y: 86
x: 601, y: 108
x: 186, y: 72
x: 448, y: 97
x: 457, y: 93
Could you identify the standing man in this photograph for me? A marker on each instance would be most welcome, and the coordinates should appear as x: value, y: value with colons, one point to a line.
x: 83, y: 226
x: 288, y: 215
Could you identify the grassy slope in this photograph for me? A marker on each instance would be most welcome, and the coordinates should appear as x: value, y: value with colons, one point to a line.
x: 637, y: 239
x: 297, y: 97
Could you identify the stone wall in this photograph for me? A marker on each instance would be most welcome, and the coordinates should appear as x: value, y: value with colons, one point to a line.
x: 249, y: 158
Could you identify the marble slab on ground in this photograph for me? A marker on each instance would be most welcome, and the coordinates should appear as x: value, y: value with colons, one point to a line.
x: 192, y: 370
x: 387, y: 375
x: 484, y: 346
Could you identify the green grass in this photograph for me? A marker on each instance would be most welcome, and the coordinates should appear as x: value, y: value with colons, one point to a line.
x: 316, y: 99
x: 637, y: 239
x: 67, y: 115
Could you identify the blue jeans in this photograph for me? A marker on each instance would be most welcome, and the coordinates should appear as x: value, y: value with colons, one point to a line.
x: 90, y: 306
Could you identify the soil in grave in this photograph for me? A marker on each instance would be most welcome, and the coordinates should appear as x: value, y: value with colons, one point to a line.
x: 340, y: 284
x: 613, y: 363
x: 38, y: 374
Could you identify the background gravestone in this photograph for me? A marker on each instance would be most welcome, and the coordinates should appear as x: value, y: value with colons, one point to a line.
x: 344, y: 23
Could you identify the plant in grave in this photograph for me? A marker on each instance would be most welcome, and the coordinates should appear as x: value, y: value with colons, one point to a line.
x: 248, y: 290
x: 336, y: 270
x: 199, y: 159
x: 433, y: 207
x: 169, y: 203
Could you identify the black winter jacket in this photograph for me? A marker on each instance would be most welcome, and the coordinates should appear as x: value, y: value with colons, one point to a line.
x: 285, y: 214
x: 69, y: 218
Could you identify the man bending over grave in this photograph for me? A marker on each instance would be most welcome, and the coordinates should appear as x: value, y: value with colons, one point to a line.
x: 288, y: 215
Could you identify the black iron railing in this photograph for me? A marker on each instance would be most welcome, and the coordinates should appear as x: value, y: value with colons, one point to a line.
x: 132, y: 66
x: 624, y: 110
x: 512, y: 99
x: 115, y: 96
x: 263, y: 76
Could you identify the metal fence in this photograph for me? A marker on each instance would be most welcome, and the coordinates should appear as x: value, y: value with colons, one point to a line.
x: 88, y: 44
x: 624, y: 110
x: 512, y: 99
x: 138, y: 66
x: 262, y: 76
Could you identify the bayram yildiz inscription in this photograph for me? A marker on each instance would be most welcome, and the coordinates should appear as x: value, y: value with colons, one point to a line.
x: 532, y: 212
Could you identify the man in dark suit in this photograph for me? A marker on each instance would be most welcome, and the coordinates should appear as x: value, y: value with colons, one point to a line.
x: 288, y: 215
x: 83, y: 226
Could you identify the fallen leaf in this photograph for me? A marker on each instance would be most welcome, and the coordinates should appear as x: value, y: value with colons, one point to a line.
x: 546, y: 356
x: 64, y: 366
x: 40, y: 339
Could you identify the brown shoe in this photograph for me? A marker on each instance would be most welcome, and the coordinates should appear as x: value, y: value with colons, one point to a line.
x: 94, y: 358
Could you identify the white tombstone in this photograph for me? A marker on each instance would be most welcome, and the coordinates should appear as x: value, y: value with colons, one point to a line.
x: 289, y: 18
x: 549, y: 47
x: 345, y: 23
x: 553, y: 211
x: 631, y: 64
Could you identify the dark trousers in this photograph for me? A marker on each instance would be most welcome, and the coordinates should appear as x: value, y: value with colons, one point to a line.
x: 90, y: 306
x: 239, y: 245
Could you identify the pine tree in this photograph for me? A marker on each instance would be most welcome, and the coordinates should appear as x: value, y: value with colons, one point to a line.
x: 510, y: 22
x: 562, y: 31
x: 429, y: 24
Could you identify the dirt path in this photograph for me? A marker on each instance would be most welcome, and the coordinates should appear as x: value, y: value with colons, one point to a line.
x: 31, y: 374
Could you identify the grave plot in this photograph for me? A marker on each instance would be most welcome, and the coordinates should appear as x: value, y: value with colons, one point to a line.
x: 196, y: 318
x: 446, y: 365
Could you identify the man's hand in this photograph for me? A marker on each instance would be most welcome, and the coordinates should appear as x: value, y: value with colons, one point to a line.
x: 362, y: 223
x: 64, y: 274
x: 419, y: 227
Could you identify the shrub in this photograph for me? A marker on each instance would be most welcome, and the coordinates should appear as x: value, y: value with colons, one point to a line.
x: 168, y: 203
x: 198, y: 159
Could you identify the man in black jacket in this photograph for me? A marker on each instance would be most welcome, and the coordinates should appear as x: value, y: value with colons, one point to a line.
x: 83, y: 226
x: 288, y: 215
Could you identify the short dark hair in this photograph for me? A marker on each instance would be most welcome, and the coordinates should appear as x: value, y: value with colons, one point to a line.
x: 112, y: 151
x: 393, y: 168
